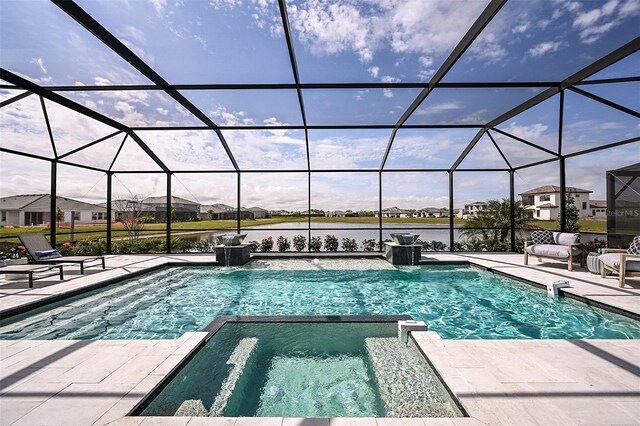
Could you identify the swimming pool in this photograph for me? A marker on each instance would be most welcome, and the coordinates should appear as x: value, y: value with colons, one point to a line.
x: 303, y: 369
x: 458, y: 302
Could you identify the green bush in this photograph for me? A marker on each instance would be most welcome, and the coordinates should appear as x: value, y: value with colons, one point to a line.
x: 283, y: 244
x: 349, y: 244
x: 254, y: 246
x: 330, y: 243
x: 315, y: 244
x: 299, y: 242
x: 369, y: 244
x: 266, y: 244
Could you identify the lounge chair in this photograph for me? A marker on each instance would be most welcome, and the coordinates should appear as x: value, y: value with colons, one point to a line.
x: 29, y: 270
x: 41, y: 252
x: 623, y: 262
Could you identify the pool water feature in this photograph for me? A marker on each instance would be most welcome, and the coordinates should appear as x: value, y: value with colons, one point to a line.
x: 458, y: 302
x: 305, y: 370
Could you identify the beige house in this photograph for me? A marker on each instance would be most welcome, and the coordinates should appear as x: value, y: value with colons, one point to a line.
x: 598, y: 209
x: 396, y: 212
x: 432, y: 212
x: 543, y: 203
x: 472, y: 209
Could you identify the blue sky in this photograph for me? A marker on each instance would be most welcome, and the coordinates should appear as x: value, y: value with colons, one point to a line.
x: 241, y: 41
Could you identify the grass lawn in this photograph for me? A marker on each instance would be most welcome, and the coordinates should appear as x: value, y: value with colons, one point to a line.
x: 98, y: 231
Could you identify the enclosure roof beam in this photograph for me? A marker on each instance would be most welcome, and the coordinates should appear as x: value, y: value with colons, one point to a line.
x: 605, y: 101
x: 95, y: 28
x: 483, y: 20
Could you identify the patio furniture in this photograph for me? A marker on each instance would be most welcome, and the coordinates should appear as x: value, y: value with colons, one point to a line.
x: 624, y: 262
x: 563, y: 246
x: 42, y: 252
x: 30, y: 270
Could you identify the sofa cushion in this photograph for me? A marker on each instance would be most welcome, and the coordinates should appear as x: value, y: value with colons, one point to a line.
x: 2, y: 263
x: 613, y: 260
x: 542, y: 237
x: 551, y: 250
x: 566, y: 238
x: 634, y: 248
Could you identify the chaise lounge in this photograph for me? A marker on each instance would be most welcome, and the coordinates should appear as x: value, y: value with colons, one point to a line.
x: 41, y: 252
x: 562, y: 246
x: 30, y: 270
x: 624, y: 262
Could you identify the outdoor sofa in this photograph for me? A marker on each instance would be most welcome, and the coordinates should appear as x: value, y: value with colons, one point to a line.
x: 562, y: 246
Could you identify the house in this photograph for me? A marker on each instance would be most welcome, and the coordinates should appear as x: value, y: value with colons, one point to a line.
x: 35, y: 209
x: 280, y: 213
x: 472, y: 209
x: 182, y: 210
x: 396, y: 212
x: 259, y: 212
x: 221, y: 211
x: 432, y: 212
x: 543, y: 203
x: 336, y: 213
x: 598, y: 209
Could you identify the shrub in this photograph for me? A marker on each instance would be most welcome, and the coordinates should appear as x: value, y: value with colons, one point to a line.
x: 254, y: 246
x: 349, y: 244
x: 283, y: 244
x: 438, y: 246
x: 299, y: 242
x: 330, y: 243
x: 369, y: 245
x: 315, y: 244
x: 266, y: 244
x: 86, y: 248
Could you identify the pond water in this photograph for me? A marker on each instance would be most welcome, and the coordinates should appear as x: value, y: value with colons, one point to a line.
x: 340, y: 230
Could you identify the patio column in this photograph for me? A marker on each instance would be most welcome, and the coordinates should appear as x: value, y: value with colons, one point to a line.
x: 53, y: 208
x: 563, y: 196
x: 380, y: 208
x: 512, y: 208
x: 309, y: 209
x: 109, y: 210
x: 168, y: 213
x: 451, y: 241
x: 239, y: 207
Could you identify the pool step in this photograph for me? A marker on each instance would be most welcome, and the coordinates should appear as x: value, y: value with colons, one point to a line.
x: 238, y: 359
x: 192, y: 408
x: 408, y: 386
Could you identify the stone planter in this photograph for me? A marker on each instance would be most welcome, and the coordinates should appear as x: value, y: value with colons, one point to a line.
x: 9, y: 262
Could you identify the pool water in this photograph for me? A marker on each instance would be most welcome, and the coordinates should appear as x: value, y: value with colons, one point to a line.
x: 458, y: 302
x: 305, y: 370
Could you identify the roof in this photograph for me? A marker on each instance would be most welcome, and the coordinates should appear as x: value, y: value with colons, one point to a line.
x: 41, y: 203
x: 163, y: 199
x: 478, y: 203
x: 550, y: 189
x: 598, y: 203
x: 433, y: 209
x: 394, y: 210
x: 547, y: 206
x: 257, y: 209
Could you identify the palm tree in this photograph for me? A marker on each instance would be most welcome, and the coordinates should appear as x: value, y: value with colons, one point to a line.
x: 497, y: 215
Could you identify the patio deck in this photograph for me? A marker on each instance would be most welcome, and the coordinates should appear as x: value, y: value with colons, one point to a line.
x: 498, y: 382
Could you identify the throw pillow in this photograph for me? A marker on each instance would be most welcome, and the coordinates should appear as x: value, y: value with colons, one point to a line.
x: 2, y: 263
x: 542, y: 237
x: 48, y: 254
x: 634, y: 248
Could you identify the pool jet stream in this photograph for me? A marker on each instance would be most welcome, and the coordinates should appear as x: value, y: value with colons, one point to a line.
x: 403, y: 250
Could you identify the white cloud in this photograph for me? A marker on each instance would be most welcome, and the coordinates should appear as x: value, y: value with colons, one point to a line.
x: 545, y: 47
x: 158, y: 5
x: 426, y: 61
x: 594, y: 23
x: 40, y: 64
x: 374, y: 71
x: 439, y: 108
x: 388, y: 93
x: 162, y: 111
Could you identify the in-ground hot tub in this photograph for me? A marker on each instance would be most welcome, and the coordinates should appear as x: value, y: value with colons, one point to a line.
x: 303, y: 369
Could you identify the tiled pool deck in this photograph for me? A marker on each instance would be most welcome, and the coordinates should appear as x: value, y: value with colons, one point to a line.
x: 508, y: 382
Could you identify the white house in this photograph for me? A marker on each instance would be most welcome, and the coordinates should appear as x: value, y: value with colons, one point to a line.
x: 432, y: 212
x: 396, y: 212
x: 336, y: 213
x: 598, y: 209
x: 34, y: 209
x: 472, y: 209
x: 543, y: 203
